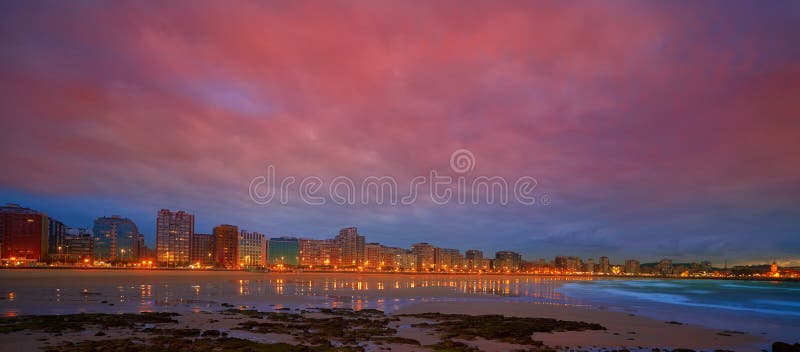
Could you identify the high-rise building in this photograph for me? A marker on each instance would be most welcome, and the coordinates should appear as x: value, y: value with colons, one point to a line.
x: 424, y: 253
x: 446, y: 259
x: 474, y: 259
x: 605, y: 266
x: 574, y: 264
x: 318, y: 253
x: 372, y: 255
x: 174, y: 232
x: 664, y: 267
x: 393, y: 258
x: 405, y: 260
x: 55, y: 236
x: 588, y: 265
x: 226, y: 246
x: 632, y: 267
x: 284, y: 251
x: 203, y: 249
x: 252, y: 249
x: 507, y: 260
x: 24, y: 233
x: 116, y: 239
x: 351, y: 245
x: 560, y: 263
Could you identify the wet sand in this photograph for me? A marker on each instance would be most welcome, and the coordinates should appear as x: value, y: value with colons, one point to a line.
x: 200, y: 297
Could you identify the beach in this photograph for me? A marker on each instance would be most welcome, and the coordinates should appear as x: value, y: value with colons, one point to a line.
x: 223, y: 301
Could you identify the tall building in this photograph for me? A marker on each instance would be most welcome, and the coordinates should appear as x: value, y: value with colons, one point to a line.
x: 507, y: 260
x: 116, y: 239
x: 318, y: 253
x: 560, y: 263
x: 372, y: 255
x: 632, y: 267
x: 284, y: 251
x: 351, y: 245
x: 56, y: 231
x: 174, y: 232
x: 605, y: 266
x: 424, y: 253
x: 203, y: 249
x: 447, y: 259
x: 588, y: 265
x: 474, y: 259
x: 664, y: 267
x: 252, y: 249
x: 24, y: 233
x: 226, y: 245
x: 394, y: 258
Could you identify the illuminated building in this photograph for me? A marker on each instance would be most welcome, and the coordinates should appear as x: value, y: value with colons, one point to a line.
x: 116, y: 239
x: 24, y: 233
x: 226, y: 246
x: 203, y: 249
x: 174, y: 232
x: 447, y: 259
x: 605, y: 266
x: 372, y: 255
x: 318, y: 253
x: 56, y: 231
x: 474, y: 259
x: 284, y: 251
x: 424, y: 253
x: 588, y: 266
x: 560, y: 263
x: 664, y: 267
x: 632, y: 267
x: 351, y: 245
x: 507, y: 260
x: 573, y: 264
x: 252, y: 249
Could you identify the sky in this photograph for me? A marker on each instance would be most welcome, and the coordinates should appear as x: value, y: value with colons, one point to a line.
x: 653, y: 129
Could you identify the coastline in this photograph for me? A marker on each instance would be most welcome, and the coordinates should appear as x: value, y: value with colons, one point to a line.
x: 200, y: 296
x: 413, y: 273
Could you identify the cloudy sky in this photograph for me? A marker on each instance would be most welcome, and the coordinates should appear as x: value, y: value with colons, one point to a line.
x: 657, y: 129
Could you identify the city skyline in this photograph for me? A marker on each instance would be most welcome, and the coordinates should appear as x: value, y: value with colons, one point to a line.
x: 653, y: 132
x: 213, y: 250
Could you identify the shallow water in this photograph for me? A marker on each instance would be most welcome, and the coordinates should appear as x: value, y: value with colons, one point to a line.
x: 765, y: 308
x: 760, y: 307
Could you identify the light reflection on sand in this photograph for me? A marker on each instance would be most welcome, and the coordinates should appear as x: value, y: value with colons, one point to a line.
x: 69, y: 291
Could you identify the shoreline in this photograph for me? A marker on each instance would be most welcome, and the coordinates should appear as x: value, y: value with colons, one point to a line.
x: 406, y: 273
x: 198, y: 293
x: 619, y: 330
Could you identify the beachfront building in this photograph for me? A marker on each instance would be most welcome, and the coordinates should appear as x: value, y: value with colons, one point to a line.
x: 632, y: 267
x: 605, y: 265
x: 317, y: 253
x: 372, y: 255
x: 24, y: 234
x: 252, y: 249
x: 202, y: 251
x: 474, y: 259
x: 56, y: 233
x: 174, y: 232
x: 425, y: 253
x: 226, y: 246
x: 351, y: 245
x: 284, y: 252
x: 507, y: 261
x: 115, y: 239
